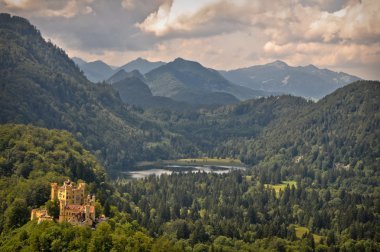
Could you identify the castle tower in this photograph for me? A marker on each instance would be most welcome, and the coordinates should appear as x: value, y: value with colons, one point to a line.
x: 93, y: 200
x: 62, y: 210
x: 54, y: 191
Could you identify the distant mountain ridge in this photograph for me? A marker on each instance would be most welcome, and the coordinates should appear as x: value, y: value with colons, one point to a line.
x: 98, y: 70
x: 244, y: 83
x: 122, y: 74
x: 133, y: 90
x: 182, y: 78
x: 95, y: 71
x: 142, y: 65
x: 308, y: 81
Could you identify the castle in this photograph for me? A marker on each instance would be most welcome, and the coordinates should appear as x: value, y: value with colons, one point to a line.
x: 74, y: 207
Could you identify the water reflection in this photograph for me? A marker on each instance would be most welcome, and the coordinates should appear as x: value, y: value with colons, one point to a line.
x: 169, y: 169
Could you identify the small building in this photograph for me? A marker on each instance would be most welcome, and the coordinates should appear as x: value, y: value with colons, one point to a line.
x: 74, y: 207
x: 40, y: 215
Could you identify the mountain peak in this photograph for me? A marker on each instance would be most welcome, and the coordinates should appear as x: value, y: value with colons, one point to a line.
x: 279, y: 64
x: 78, y: 61
x: 179, y: 59
x: 311, y: 67
x: 139, y: 59
x: 142, y: 65
x: 98, y: 62
x: 183, y: 62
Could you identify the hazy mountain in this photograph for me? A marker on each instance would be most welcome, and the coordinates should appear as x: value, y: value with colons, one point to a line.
x: 181, y: 78
x: 79, y: 61
x: 134, y: 91
x: 122, y: 74
x: 308, y: 81
x: 96, y: 71
x: 142, y: 65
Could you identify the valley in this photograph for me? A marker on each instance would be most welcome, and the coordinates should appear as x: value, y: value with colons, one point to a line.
x: 182, y: 157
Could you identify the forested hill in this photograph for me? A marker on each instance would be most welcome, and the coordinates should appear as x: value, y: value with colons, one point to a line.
x: 41, y: 85
x: 30, y: 159
x: 340, y: 131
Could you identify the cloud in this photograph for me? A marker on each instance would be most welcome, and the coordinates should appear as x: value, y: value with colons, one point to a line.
x: 128, y: 4
x: 47, y: 8
x: 224, y: 34
x: 280, y: 20
x: 90, y: 25
x: 205, y: 18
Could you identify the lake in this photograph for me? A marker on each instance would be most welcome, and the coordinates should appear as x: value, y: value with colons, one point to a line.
x: 143, y: 172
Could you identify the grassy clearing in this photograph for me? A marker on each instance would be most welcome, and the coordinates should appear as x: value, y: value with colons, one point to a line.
x: 282, y: 186
x: 300, y: 231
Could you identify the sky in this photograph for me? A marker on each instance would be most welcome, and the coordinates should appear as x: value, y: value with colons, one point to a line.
x: 341, y: 35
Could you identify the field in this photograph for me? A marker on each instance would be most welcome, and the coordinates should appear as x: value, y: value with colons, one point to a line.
x: 282, y: 186
x: 300, y: 231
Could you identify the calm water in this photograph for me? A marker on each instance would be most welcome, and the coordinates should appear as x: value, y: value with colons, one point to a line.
x: 169, y: 169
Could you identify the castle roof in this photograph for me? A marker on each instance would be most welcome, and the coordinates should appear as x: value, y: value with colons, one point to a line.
x: 79, y: 208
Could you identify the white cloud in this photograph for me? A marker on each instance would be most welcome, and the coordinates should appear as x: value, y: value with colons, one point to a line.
x: 69, y: 11
x: 224, y: 34
x: 48, y: 8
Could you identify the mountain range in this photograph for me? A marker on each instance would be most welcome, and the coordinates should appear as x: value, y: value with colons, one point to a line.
x: 308, y: 81
x: 168, y: 79
x: 189, y: 81
x: 41, y: 85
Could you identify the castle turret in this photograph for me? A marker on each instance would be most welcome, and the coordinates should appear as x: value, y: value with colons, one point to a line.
x: 54, y: 191
x: 93, y: 200
x: 62, y: 211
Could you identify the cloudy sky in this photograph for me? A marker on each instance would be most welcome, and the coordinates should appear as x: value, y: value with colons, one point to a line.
x: 342, y: 35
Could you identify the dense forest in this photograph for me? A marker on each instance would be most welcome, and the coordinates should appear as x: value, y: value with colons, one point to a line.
x: 182, y: 211
x: 41, y: 85
x: 311, y: 184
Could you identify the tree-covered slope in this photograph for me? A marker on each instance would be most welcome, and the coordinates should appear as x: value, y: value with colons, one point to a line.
x: 341, y: 130
x: 41, y: 85
x: 30, y: 159
x: 210, y: 128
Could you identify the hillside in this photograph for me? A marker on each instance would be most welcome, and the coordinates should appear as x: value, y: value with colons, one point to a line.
x: 122, y: 74
x: 42, y: 86
x: 340, y: 131
x: 31, y: 158
x: 308, y: 81
x: 179, y: 78
x: 209, y: 128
